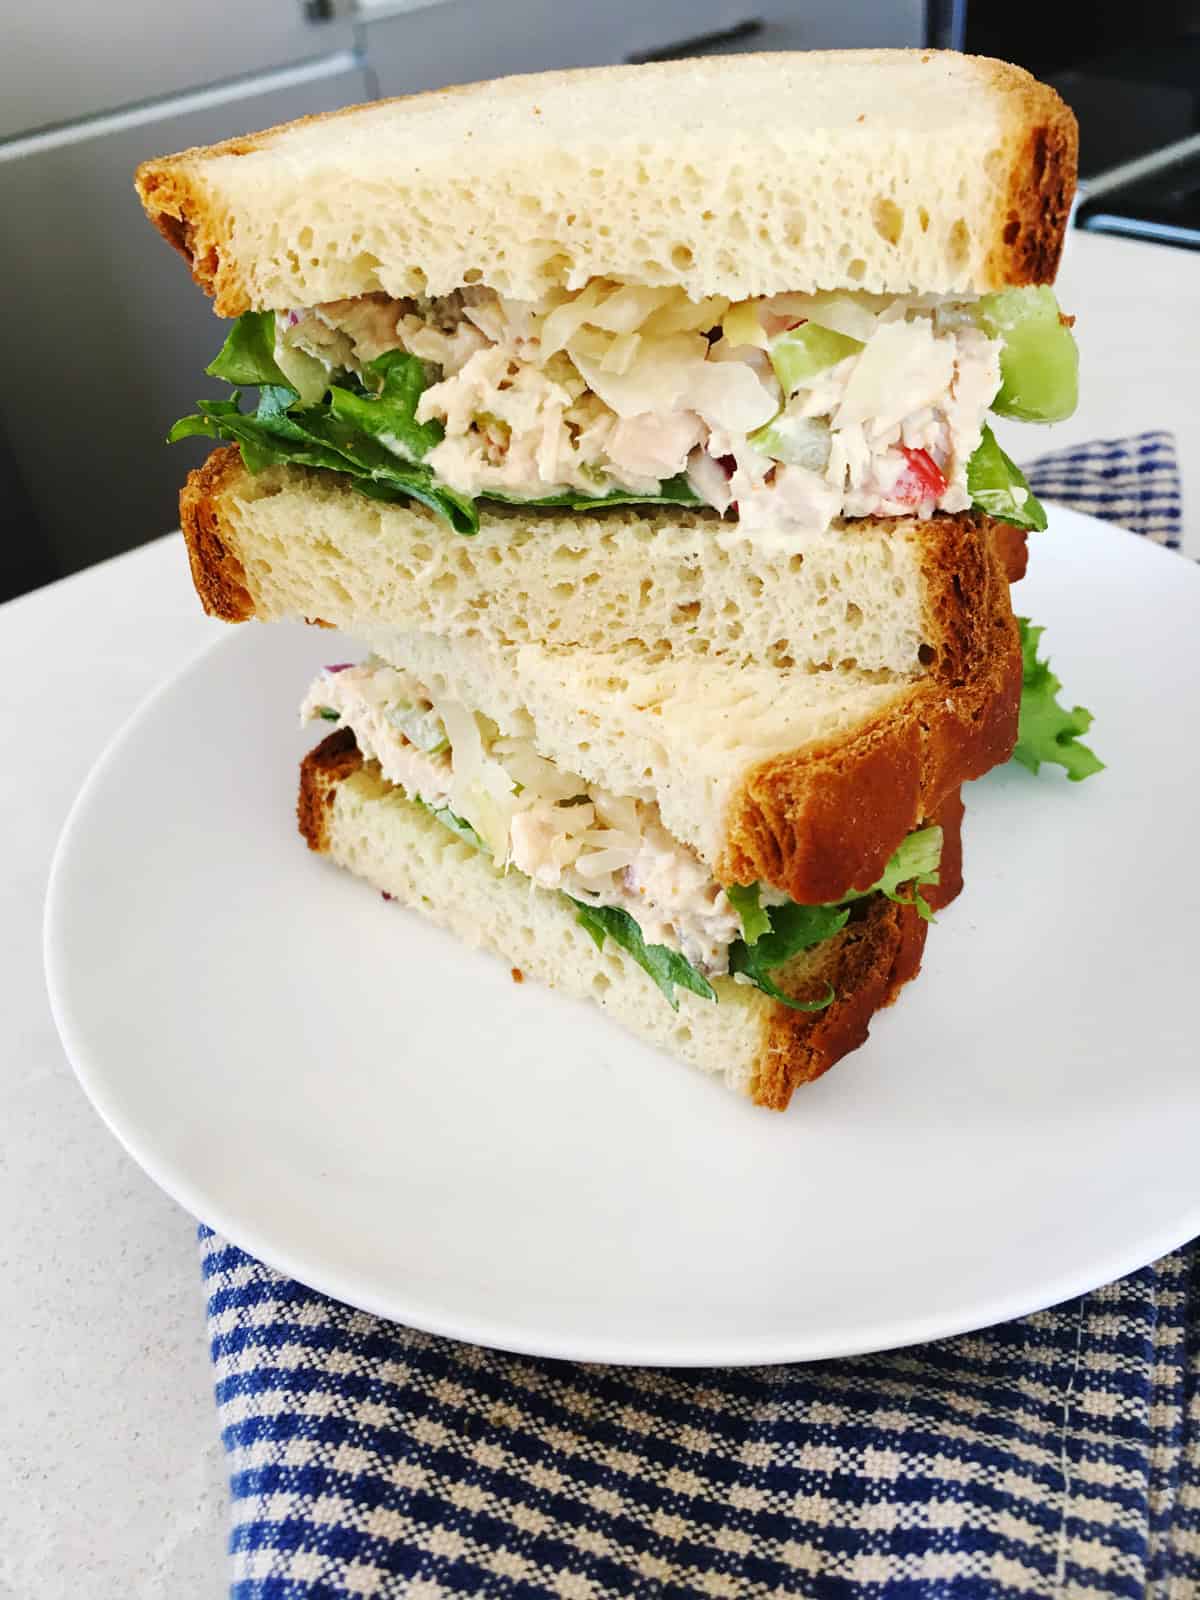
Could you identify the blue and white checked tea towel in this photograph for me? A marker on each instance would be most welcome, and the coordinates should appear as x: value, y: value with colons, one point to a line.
x: 1054, y: 1456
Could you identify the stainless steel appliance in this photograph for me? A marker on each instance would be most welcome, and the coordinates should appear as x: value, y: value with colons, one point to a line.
x: 106, y: 335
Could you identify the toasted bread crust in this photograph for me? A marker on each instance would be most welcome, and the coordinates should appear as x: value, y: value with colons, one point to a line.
x: 1026, y: 225
x: 1041, y: 184
x: 334, y: 759
x: 820, y: 822
x: 866, y: 964
x: 876, y: 955
x: 960, y: 569
x: 1012, y: 549
x: 218, y: 575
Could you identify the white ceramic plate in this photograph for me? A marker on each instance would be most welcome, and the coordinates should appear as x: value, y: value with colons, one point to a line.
x: 357, y: 1100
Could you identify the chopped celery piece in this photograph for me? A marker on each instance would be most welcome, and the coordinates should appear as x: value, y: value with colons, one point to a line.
x: 800, y: 441
x: 304, y: 373
x: 456, y: 824
x: 421, y: 728
x: 1039, y: 364
x: 803, y: 352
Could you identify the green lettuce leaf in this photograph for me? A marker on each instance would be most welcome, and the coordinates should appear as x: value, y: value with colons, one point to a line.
x: 793, y: 928
x: 744, y: 899
x: 248, y: 354
x: 261, y: 437
x: 387, y: 412
x: 282, y: 433
x: 762, y: 980
x: 997, y: 485
x: 667, y: 967
x: 1046, y: 730
x: 771, y: 937
x: 914, y: 863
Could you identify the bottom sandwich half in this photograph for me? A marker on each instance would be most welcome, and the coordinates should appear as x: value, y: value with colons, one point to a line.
x: 761, y: 1047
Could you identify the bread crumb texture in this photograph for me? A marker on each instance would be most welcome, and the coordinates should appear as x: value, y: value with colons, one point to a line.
x: 884, y: 170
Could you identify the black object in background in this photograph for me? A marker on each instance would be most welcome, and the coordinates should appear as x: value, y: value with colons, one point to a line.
x: 1162, y: 205
x: 1130, y: 73
x: 26, y: 561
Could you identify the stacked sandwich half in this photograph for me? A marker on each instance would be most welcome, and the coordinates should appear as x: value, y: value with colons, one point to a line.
x: 636, y: 423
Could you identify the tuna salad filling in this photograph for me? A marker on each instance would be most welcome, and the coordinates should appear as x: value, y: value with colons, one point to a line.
x: 786, y: 412
x: 629, y: 878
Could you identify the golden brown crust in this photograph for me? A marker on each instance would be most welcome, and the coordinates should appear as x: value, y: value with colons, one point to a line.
x: 867, y: 965
x: 218, y: 575
x: 958, y: 568
x: 949, y: 818
x: 330, y: 763
x: 874, y: 956
x: 819, y: 823
x: 181, y: 211
x: 1030, y: 221
x: 1012, y: 549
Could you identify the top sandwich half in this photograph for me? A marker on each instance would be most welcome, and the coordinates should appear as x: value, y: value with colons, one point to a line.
x: 787, y: 289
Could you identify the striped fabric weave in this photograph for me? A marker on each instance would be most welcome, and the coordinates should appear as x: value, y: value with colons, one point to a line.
x: 1058, y: 1455
x: 1133, y: 482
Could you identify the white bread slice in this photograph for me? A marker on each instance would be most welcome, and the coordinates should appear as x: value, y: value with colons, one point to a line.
x: 895, y: 596
x: 761, y: 1049
x: 885, y: 170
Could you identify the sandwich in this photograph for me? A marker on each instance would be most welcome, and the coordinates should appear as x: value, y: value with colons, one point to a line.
x: 790, y: 287
x: 636, y: 422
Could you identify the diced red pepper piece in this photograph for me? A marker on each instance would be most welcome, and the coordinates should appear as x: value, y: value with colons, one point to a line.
x: 929, y: 476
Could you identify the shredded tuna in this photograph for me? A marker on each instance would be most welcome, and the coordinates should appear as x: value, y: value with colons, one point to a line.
x: 617, y: 388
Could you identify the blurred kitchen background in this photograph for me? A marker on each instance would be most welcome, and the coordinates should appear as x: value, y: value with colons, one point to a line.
x: 105, y: 336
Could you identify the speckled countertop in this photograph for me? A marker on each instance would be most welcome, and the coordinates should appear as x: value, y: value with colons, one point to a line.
x: 111, y: 1473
